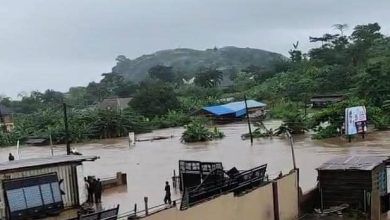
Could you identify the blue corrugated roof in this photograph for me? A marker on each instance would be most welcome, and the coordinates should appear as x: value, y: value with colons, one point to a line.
x: 237, y: 108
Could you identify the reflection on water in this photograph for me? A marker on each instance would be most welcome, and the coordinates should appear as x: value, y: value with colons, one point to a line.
x: 149, y: 164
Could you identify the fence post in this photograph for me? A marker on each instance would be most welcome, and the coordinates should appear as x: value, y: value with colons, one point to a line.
x: 174, y: 179
x: 146, y: 206
x: 135, y: 209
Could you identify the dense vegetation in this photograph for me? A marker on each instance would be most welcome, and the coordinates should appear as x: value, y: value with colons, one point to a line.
x: 357, y: 66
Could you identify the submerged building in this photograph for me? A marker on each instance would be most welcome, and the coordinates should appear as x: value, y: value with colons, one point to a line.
x: 233, y: 111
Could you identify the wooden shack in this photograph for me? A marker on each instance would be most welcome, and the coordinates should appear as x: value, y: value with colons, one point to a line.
x: 40, y: 186
x: 322, y: 101
x: 359, y: 181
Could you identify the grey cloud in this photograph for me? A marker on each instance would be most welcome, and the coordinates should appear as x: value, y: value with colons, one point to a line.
x: 63, y: 43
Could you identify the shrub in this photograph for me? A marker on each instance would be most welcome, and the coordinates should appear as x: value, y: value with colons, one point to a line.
x: 196, y: 131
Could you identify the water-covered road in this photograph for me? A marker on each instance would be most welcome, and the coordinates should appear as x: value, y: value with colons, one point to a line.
x: 149, y: 164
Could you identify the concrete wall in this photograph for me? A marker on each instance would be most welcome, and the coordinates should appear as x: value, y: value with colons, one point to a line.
x: 288, y: 197
x: 255, y: 205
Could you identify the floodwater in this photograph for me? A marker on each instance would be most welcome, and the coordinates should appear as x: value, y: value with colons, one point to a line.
x: 149, y: 164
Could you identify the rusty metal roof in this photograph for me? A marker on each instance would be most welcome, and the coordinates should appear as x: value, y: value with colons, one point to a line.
x: 353, y: 163
x: 43, y: 161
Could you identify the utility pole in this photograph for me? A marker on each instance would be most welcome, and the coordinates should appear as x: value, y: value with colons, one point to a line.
x: 66, y: 130
x: 249, y: 122
x: 292, y: 148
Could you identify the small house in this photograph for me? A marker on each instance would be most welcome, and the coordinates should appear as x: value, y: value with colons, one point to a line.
x: 6, y: 118
x: 38, y: 187
x: 359, y: 181
x: 114, y: 104
x: 234, y: 111
x: 322, y: 101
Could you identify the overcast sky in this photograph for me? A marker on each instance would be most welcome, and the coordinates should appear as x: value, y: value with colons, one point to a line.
x: 62, y: 43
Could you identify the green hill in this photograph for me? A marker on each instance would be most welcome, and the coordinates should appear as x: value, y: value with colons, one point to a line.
x: 188, y: 61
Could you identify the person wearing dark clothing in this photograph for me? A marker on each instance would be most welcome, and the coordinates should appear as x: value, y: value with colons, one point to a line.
x: 11, y: 157
x: 93, y: 189
x: 167, y: 198
x: 88, y: 184
x: 98, y: 191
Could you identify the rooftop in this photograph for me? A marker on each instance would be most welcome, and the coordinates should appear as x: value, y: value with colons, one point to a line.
x: 43, y: 161
x: 353, y: 163
x: 114, y: 103
x: 238, y: 108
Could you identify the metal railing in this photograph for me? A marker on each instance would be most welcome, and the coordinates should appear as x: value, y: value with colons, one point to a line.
x: 239, y: 183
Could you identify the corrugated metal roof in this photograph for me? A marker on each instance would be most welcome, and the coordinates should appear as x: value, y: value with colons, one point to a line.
x: 353, y: 163
x: 43, y: 161
x: 237, y: 108
x: 115, y: 103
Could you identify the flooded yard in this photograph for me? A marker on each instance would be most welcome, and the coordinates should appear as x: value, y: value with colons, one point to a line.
x: 149, y: 164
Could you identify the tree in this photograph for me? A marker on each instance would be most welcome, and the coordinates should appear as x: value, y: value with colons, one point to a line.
x: 208, y: 78
x: 125, y: 89
x: 154, y: 99
x: 77, y: 97
x: 258, y: 74
x: 163, y: 73
x: 96, y: 92
x: 295, y: 54
x: 51, y: 97
x: 374, y: 83
x: 364, y: 37
x: 324, y: 39
x: 366, y: 34
x: 341, y: 28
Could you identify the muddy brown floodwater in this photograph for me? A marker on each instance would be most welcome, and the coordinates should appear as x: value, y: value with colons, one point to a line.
x: 149, y: 164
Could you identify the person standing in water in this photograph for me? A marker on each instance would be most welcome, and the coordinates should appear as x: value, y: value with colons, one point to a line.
x: 167, y: 198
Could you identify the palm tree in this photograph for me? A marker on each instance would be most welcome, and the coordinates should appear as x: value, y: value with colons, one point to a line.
x: 208, y: 78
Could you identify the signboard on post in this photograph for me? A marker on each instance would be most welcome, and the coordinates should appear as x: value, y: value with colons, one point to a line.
x: 355, y: 120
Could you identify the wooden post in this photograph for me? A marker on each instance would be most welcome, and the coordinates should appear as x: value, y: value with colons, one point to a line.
x: 321, y: 199
x: 249, y: 122
x: 51, y: 145
x: 146, y: 206
x: 135, y: 209
x: 174, y: 179
x: 66, y: 130
x: 276, y: 200
x: 18, y: 148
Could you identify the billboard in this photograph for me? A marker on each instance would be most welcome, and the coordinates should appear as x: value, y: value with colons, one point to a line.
x: 355, y: 120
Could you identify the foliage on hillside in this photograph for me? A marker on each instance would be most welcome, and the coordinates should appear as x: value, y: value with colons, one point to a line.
x: 186, y: 62
x: 357, y: 66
